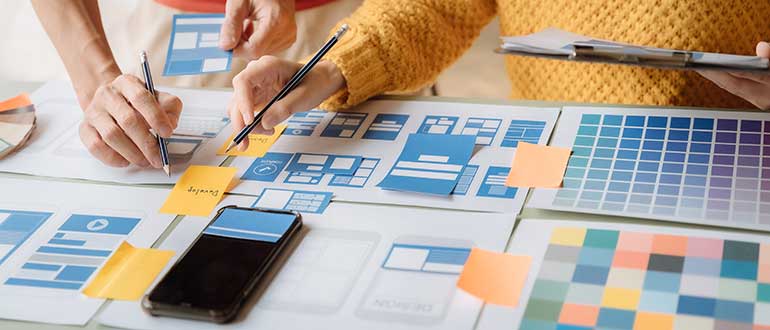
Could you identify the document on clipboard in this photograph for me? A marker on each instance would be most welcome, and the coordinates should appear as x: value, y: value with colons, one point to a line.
x: 559, y: 44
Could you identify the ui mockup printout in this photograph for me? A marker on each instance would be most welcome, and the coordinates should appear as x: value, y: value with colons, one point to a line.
x: 55, y: 238
x: 55, y: 148
x: 599, y: 275
x: 696, y: 166
x: 389, y: 269
x: 350, y: 153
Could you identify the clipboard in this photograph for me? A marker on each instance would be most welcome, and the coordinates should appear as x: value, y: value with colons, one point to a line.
x: 562, y: 45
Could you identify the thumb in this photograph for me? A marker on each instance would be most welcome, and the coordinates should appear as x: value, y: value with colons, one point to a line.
x: 763, y: 49
x: 236, y: 11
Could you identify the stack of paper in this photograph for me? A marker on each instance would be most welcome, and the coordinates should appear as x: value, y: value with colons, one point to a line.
x: 559, y: 44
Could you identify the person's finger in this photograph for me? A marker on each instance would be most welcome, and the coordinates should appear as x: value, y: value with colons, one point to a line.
x: 100, y: 150
x: 258, y: 42
x: 134, y: 126
x: 747, y: 89
x: 232, y: 28
x: 273, y: 30
x: 172, y: 106
x: 763, y: 49
x: 115, y: 138
x: 134, y: 91
x: 303, y: 98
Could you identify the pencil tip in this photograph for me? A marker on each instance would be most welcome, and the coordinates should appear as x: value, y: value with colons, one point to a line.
x: 167, y: 169
x: 229, y: 146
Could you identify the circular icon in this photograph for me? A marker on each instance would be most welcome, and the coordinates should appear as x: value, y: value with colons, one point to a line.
x: 97, y: 225
x: 265, y: 169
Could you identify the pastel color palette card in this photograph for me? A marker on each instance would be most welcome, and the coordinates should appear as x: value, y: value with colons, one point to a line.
x: 696, y: 166
x: 593, y: 278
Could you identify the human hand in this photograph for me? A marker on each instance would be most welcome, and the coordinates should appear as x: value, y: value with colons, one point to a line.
x: 117, y: 122
x: 253, y: 28
x: 751, y: 86
x: 264, y: 78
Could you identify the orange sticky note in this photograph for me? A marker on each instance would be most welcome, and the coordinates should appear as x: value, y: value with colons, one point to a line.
x: 18, y: 101
x: 496, y: 278
x: 198, y: 190
x: 258, y: 144
x: 538, y: 166
x: 128, y: 273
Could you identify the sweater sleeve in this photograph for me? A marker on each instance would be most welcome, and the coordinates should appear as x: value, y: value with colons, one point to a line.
x: 403, y: 45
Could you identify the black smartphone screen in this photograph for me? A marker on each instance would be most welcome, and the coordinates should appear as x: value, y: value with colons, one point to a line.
x: 219, y: 267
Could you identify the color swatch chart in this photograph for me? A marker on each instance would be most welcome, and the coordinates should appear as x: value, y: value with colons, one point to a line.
x: 610, y: 279
x: 692, y: 166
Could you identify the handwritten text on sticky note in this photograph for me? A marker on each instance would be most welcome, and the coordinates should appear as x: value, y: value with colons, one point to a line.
x: 258, y: 144
x: 198, y: 190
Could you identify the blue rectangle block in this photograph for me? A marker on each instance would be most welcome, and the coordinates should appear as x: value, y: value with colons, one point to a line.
x: 43, y: 284
x: 615, y: 120
x: 590, y: 119
x: 268, y: 167
x: 75, y: 273
x: 587, y: 130
x: 635, y: 133
x: 344, y: 125
x: 36, y: 266
x: 656, y: 134
x: 386, y: 127
x: 700, y: 147
x: 653, y: 121
x: 438, y: 125
x: 624, y: 165
x: 696, y: 306
x: 430, y: 163
x: 746, y: 270
x: 703, y: 123
x: 78, y: 252
x: 611, y: 318
x: 737, y: 311
x: 662, y: 281
x: 99, y: 224
x: 494, y: 183
x: 590, y: 274
x: 69, y: 242
x: 189, y: 52
x: 635, y: 121
x: 324, y: 163
x: 630, y: 143
x: 259, y: 226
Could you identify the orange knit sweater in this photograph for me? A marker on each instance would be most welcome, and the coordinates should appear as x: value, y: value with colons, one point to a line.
x: 402, y: 45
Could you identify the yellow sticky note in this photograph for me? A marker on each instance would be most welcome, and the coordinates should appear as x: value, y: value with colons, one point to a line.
x: 128, y: 273
x: 258, y: 144
x: 198, y: 190
x: 496, y: 278
x: 538, y: 166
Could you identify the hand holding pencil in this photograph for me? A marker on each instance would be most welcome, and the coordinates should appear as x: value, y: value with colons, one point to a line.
x: 282, y: 88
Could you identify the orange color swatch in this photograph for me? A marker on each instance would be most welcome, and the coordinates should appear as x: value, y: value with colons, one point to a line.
x: 582, y: 315
x: 653, y: 321
x: 496, y: 278
x: 630, y: 259
x: 669, y: 244
x: 18, y: 101
x: 538, y: 166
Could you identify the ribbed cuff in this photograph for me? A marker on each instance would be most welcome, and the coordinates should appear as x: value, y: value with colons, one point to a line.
x: 361, y: 64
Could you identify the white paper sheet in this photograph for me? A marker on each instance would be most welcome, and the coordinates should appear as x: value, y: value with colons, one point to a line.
x: 714, y: 172
x: 322, y: 133
x: 337, y: 269
x: 55, y: 149
x: 66, y: 202
x: 532, y: 237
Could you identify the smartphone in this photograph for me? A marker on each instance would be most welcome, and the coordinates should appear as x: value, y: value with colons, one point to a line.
x: 223, y: 266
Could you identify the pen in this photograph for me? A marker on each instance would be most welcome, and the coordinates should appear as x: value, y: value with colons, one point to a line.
x: 293, y: 82
x: 151, y: 87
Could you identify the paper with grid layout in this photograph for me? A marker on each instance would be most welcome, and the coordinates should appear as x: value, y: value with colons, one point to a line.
x: 594, y: 275
x: 61, y: 235
x: 697, y: 166
x: 386, y: 270
x: 55, y: 149
x: 377, y: 132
